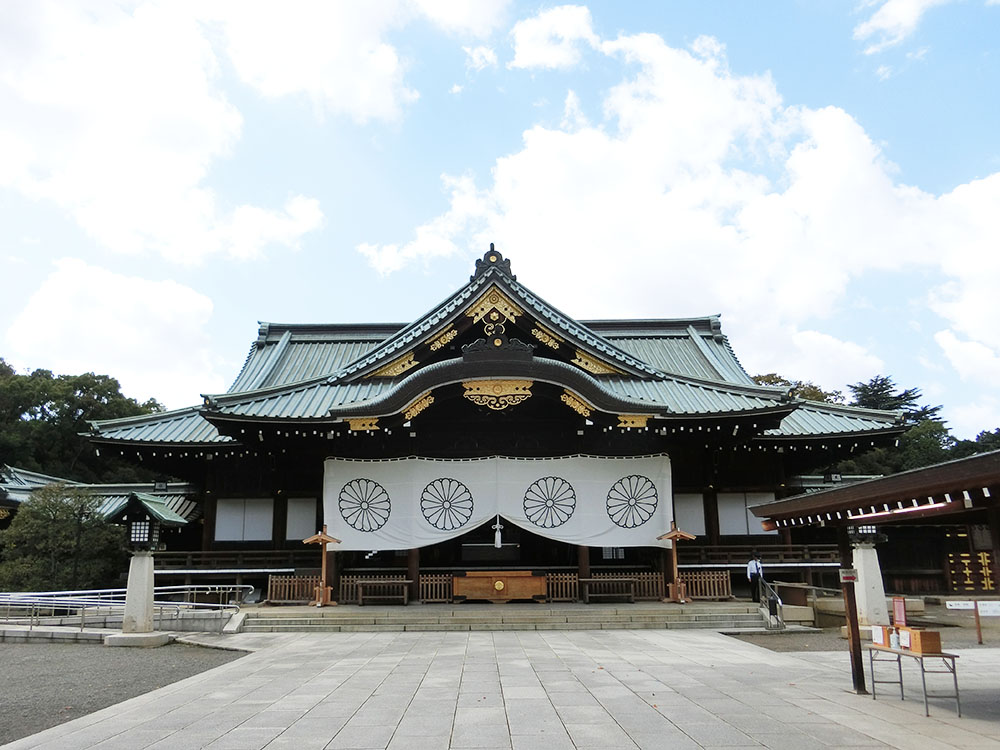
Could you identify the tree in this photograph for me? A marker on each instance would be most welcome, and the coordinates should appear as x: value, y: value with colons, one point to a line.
x: 801, y: 388
x: 985, y: 441
x: 59, y: 541
x: 881, y: 393
x: 41, y: 416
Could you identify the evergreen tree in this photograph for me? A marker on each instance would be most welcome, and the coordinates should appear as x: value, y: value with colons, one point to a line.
x: 59, y: 541
x: 882, y: 393
x: 42, y: 416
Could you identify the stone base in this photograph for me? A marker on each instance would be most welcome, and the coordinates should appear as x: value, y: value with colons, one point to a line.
x: 864, y: 631
x: 141, y: 640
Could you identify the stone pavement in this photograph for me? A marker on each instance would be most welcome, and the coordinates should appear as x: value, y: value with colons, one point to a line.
x: 534, y: 689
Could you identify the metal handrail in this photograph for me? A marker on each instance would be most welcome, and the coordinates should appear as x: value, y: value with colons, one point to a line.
x: 768, y: 594
x: 113, y: 600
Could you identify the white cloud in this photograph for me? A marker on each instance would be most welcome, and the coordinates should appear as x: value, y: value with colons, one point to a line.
x: 552, y: 38
x: 334, y: 53
x: 478, y: 19
x: 437, y: 237
x: 478, y: 58
x: 701, y: 191
x: 125, y: 148
x: 969, y: 419
x: 455, y: 89
x: 893, y: 22
x: 973, y: 360
x: 134, y: 327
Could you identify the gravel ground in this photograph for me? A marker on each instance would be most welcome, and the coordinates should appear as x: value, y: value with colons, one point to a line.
x: 957, y: 628
x: 45, y: 684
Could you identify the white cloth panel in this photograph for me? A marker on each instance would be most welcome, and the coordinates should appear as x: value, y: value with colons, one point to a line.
x: 229, y: 519
x: 415, y: 502
x: 258, y: 519
x: 301, y: 521
x: 753, y: 523
x: 689, y: 512
x: 732, y: 513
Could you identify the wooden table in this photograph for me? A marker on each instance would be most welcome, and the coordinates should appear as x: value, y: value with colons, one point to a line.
x: 947, y: 661
x: 394, y: 589
x: 615, y: 584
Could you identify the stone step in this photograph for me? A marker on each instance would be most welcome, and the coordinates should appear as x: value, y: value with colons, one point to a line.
x: 430, y: 620
x: 721, y: 624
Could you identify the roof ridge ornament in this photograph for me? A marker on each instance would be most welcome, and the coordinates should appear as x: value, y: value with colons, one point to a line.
x: 493, y: 259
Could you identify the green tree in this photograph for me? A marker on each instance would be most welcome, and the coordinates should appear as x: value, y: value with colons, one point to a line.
x: 882, y: 393
x: 42, y: 416
x: 801, y: 388
x: 59, y: 541
x: 985, y: 441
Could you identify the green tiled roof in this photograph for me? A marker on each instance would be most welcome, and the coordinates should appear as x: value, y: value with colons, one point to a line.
x: 312, y: 372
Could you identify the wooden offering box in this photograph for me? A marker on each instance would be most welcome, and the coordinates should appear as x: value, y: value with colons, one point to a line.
x: 499, y: 586
x: 920, y: 641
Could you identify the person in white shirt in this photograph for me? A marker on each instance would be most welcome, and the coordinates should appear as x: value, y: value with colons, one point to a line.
x: 754, y: 573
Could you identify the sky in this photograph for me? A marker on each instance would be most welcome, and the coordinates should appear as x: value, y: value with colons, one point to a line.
x: 823, y: 174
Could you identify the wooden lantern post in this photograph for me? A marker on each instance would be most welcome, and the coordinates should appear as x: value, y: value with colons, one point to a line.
x: 677, y: 592
x: 322, y: 591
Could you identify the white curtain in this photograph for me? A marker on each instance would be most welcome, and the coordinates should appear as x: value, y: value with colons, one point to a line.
x: 415, y: 502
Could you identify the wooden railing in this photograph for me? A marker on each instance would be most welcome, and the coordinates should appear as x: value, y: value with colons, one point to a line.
x: 562, y: 587
x: 291, y: 589
x: 435, y: 587
x: 738, y: 554
x: 708, y: 584
x: 648, y: 586
x: 348, y: 593
x: 237, y: 560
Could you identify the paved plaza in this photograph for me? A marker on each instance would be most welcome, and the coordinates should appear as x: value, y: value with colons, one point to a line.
x: 533, y: 689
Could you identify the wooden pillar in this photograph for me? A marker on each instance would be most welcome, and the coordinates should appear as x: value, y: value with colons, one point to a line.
x: 208, y: 523
x: 712, y: 516
x: 851, y: 613
x: 413, y: 572
x: 279, y: 521
x: 582, y: 563
x: 333, y: 574
x: 994, y: 519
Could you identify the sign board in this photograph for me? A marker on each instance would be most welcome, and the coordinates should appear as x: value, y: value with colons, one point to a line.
x: 960, y: 605
x: 878, y: 635
x: 898, y: 611
x: 848, y: 575
x: 989, y: 609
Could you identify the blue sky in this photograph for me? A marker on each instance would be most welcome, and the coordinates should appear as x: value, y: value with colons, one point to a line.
x: 824, y: 175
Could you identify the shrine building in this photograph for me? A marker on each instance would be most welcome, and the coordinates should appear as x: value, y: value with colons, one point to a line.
x: 492, y: 432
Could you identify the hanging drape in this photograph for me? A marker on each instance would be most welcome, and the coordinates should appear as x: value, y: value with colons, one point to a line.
x: 413, y: 502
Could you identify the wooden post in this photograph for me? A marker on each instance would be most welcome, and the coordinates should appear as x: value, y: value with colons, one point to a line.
x: 851, y: 614
x: 676, y: 590
x: 582, y: 563
x: 323, y: 590
x: 413, y: 573
x: 712, y: 516
x: 979, y: 624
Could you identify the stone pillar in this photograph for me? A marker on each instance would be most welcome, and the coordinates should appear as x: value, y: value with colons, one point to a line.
x: 138, y: 616
x: 870, y: 592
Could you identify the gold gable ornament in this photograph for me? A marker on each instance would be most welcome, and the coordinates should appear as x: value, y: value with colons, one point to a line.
x: 575, y: 403
x: 444, y: 339
x: 497, y: 394
x: 628, y: 421
x: 546, y: 337
x: 396, y: 367
x: 592, y: 365
x: 418, y: 406
x: 363, y: 424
